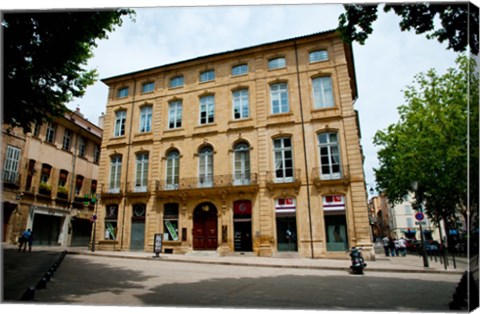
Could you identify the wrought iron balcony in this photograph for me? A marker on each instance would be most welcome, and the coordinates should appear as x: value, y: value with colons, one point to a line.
x: 283, y: 179
x: 11, y: 177
x: 342, y: 176
x: 141, y: 187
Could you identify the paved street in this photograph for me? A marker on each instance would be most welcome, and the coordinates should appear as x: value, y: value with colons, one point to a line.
x: 99, y: 280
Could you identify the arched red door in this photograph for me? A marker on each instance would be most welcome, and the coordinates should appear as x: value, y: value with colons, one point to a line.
x: 205, y: 235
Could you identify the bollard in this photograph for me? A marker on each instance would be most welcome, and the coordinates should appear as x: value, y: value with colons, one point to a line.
x: 29, y: 294
x: 52, y: 269
x: 48, y: 275
x: 42, y: 284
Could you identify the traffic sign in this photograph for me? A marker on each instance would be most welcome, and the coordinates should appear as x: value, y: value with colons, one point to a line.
x: 419, y: 216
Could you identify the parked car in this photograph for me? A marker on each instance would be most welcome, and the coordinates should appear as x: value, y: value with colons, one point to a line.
x: 432, y: 247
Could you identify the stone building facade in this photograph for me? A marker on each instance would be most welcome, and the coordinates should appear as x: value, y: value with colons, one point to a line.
x: 46, y: 176
x: 252, y: 150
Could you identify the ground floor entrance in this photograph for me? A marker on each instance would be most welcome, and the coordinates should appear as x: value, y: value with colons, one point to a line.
x: 137, y: 240
x: 8, y: 209
x: 46, y: 229
x: 205, y: 234
x: 287, y: 234
x: 81, y: 232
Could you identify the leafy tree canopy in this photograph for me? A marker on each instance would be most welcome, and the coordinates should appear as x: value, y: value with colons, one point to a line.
x: 45, y: 54
x: 459, y: 22
x: 435, y: 142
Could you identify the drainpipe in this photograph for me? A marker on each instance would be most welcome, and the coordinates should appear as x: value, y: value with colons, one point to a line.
x: 304, y: 152
x: 127, y: 162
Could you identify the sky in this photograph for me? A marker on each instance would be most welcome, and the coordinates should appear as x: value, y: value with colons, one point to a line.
x: 163, y: 33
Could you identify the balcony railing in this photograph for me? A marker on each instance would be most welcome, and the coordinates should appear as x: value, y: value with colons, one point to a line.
x: 340, y: 176
x: 211, y: 181
x: 11, y: 177
x: 282, y: 176
x: 143, y: 187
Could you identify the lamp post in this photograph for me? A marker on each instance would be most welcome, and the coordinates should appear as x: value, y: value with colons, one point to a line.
x: 94, y: 223
x: 422, y: 239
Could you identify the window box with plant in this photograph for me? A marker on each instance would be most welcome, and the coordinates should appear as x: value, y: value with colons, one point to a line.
x: 45, y: 188
x: 62, y: 192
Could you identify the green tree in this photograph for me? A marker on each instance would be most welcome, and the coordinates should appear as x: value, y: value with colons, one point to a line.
x: 429, y: 144
x: 45, y: 54
x: 459, y: 22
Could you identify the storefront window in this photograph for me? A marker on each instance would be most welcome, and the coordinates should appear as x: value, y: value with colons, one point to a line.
x: 111, y: 222
x: 170, y: 222
x: 335, y: 222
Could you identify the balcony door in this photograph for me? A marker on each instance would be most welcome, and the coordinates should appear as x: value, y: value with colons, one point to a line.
x: 283, y: 160
x: 242, y: 164
x: 205, y: 167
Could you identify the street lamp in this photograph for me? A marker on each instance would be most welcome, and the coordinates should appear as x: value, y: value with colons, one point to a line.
x: 424, y: 254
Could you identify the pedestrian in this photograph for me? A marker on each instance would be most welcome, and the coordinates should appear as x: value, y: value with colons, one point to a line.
x: 403, y: 246
x: 385, y: 245
x: 23, y: 240
x: 30, y: 242
x: 391, y: 246
x: 397, y: 246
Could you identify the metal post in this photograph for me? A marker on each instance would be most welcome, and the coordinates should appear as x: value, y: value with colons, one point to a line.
x: 425, y: 259
x: 95, y: 223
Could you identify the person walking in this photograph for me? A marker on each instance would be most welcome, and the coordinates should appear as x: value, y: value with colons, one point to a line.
x: 24, y: 240
x: 385, y: 245
x: 30, y: 242
x: 402, y: 243
x: 391, y: 246
x: 397, y: 246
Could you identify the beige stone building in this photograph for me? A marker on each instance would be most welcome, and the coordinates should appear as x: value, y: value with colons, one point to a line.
x: 252, y: 150
x: 45, y: 178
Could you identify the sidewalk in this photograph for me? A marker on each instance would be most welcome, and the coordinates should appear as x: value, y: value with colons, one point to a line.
x: 410, y: 263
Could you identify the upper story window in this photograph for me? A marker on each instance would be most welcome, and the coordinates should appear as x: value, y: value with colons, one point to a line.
x: 122, y: 92
x: 317, y: 55
x: 205, y: 167
x: 207, y: 76
x: 120, y: 118
x: 175, y: 114
x: 279, y: 98
x: 322, y: 92
x: 207, y: 109
x: 283, y: 153
x: 50, y: 135
x: 45, y: 174
x: 176, y: 81
x: 78, y: 185
x: 241, y: 163
x: 148, y: 87
x: 240, y: 104
x: 329, y: 156
x: 67, y: 139
x: 62, y: 178
x: 145, y: 119
x: 277, y: 63
x: 36, y: 129
x: 11, y: 164
x: 115, y: 173
x: 173, y: 170
x: 96, y: 154
x: 82, y: 145
x: 141, y: 175
x: 240, y: 69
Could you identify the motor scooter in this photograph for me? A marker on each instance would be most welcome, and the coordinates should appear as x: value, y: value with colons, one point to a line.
x: 358, y: 263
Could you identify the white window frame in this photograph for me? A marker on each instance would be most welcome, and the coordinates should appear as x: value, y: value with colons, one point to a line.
x: 115, y: 174
x: 241, y: 105
x: 240, y: 69
x: 279, y: 102
x: 207, y: 76
x: 281, y: 159
x: 329, y: 152
x: 172, y: 172
x: 145, y: 119
x: 241, y: 164
x: 207, y: 109
x: 50, y: 134
x: 122, y: 92
x: 205, y: 167
x: 120, y: 121
x: 82, y: 146
x: 322, y: 88
x: 67, y: 140
x: 148, y: 87
x: 11, y: 164
x: 141, y: 172
x: 175, y: 110
x: 277, y: 63
x: 318, y: 55
x: 176, y: 81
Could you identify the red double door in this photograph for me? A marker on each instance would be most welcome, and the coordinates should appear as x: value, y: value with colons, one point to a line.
x: 205, y: 234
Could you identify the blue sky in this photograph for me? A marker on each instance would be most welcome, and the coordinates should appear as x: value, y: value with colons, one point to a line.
x: 385, y: 65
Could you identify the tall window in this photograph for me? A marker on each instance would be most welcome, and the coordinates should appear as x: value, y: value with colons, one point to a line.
x: 122, y: 92
x: 207, y: 109
x: 318, y: 55
x: 175, y: 114
x: 240, y: 104
x: 50, y: 136
x: 239, y: 69
x: 10, y: 166
x: 173, y: 170
x: 141, y: 175
x: 242, y: 164
x: 205, y: 167
x: 170, y: 221
x: 207, y: 76
x: 67, y: 139
x: 62, y: 178
x: 96, y: 154
x: 115, y: 173
x: 120, y: 118
x: 111, y: 216
x: 279, y: 98
x: 276, y: 63
x: 145, y: 119
x: 148, y: 87
x: 78, y: 185
x: 335, y: 222
x: 322, y: 92
x: 82, y: 145
x: 36, y: 129
x: 329, y: 156
x: 176, y: 81
x: 283, y: 159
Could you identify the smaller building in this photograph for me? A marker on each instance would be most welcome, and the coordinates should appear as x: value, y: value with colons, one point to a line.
x: 46, y: 176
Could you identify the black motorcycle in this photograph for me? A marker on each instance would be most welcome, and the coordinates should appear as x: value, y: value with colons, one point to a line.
x: 358, y: 264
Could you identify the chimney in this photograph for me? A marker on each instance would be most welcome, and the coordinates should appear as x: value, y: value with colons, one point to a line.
x: 100, y: 120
